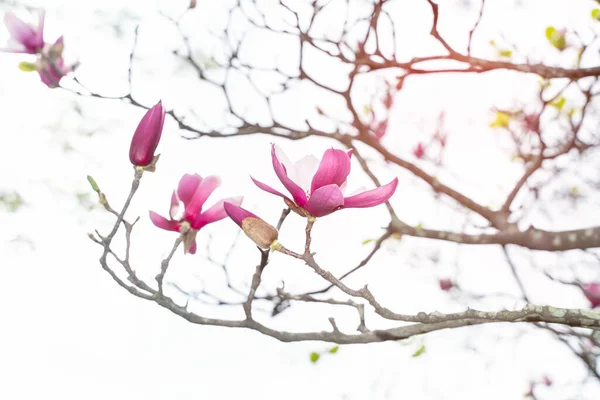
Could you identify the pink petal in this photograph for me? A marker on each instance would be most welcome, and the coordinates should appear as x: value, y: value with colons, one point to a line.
x: 216, y: 212
x: 303, y: 171
x: 325, y: 200
x: 187, y: 186
x: 373, y: 197
x: 40, y: 29
x: 269, y: 189
x: 204, y: 189
x: 296, y: 191
x: 17, y: 28
x: 592, y: 293
x: 237, y: 214
x: 334, y: 169
x: 193, y: 248
x: 24, y: 33
x: 174, y: 205
x: 164, y: 223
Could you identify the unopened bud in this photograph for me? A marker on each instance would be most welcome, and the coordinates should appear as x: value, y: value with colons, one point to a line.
x: 260, y: 232
x: 146, y: 137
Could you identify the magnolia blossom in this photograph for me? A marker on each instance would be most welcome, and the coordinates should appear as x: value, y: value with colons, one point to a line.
x: 51, y: 65
x: 592, y: 293
x: 52, y: 72
x: 24, y: 37
x: 147, y: 136
x: 193, y: 190
x: 317, y: 187
x: 261, y: 233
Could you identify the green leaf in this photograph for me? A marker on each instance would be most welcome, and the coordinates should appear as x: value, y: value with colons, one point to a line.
x: 314, y: 357
x: 93, y: 183
x: 12, y: 201
x: 559, y: 103
x: 556, y: 38
x: 27, y: 66
x: 505, y: 53
x: 502, y: 120
x: 596, y: 14
x: 419, y: 351
x: 334, y: 350
x: 575, y: 191
x: 367, y: 241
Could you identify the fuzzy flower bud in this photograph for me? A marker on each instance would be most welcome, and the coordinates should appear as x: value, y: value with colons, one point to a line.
x: 261, y: 233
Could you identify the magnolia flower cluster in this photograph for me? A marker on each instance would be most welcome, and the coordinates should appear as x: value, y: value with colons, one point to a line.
x: 28, y: 38
x: 316, y: 189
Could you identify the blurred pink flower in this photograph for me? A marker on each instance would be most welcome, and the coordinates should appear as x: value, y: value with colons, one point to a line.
x: 24, y: 37
x: 446, y: 284
x: 419, y: 150
x: 147, y: 136
x: 51, y: 66
x: 317, y: 187
x: 193, y: 191
x: 380, y: 129
x: 52, y: 73
x: 592, y: 292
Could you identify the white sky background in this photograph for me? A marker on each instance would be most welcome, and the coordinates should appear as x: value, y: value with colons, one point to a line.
x: 67, y: 331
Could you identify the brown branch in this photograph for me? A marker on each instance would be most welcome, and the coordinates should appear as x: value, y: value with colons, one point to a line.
x: 533, y: 238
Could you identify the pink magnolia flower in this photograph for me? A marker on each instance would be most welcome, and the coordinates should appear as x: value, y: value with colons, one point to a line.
x: 261, y: 233
x: 24, y: 37
x: 147, y: 135
x: 592, y: 292
x: 317, y: 187
x: 193, y: 190
x: 51, y: 73
x: 51, y: 66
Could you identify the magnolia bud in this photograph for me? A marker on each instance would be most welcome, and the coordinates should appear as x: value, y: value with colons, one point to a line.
x: 146, y: 136
x: 261, y: 233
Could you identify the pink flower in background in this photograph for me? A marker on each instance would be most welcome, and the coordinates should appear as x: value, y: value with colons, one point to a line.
x: 51, y: 66
x: 446, y: 284
x: 317, y: 187
x: 592, y: 292
x: 193, y: 191
x: 147, y: 136
x: 261, y: 233
x: 419, y: 150
x: 51, y: 73
x: 380, y: 129
x: 24, y: 37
